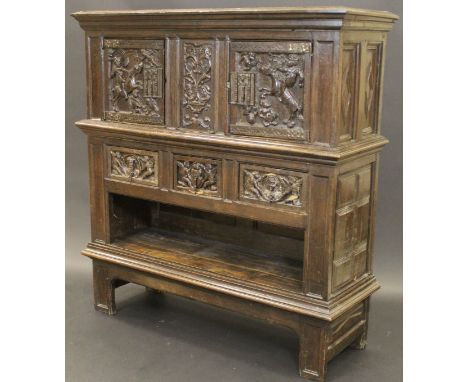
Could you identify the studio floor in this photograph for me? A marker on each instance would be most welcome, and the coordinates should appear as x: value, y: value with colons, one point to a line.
x: 164, y: 338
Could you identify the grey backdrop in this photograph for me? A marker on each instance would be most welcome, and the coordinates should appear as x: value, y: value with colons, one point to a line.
x: 170, y: 339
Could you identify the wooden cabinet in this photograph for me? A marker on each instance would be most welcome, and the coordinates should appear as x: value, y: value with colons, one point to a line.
x: 233, y: 160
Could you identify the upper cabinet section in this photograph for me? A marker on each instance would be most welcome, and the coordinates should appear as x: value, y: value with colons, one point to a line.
x: 300, y: 75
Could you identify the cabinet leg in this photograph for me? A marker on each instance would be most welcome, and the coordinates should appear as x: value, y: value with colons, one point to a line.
x: 104, y: 290
x: 312, y: 352
x: 361, y: 342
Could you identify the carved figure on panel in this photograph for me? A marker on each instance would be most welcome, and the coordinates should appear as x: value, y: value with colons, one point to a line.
x: 272, y: 188
x: 284, y: 71
x: 126, y: 86
x: 135, y: 81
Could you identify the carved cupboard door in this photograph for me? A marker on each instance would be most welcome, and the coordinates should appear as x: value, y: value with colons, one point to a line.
x: 269, y: 89
x: 134, y: 81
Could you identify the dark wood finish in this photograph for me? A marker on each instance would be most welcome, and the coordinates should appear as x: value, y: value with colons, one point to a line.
x: 233, y: 160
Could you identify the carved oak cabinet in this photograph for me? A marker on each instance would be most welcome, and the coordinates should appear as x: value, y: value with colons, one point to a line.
x: 233, y: 158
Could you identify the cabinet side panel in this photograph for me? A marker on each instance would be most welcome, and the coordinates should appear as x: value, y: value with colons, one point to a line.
x: 97, y: 195
x: 324, y: 88
x: 348, y: 94
x: 369, y: 58
x: 352, y: 222
x: 319, y: 232
x: 372, y: 72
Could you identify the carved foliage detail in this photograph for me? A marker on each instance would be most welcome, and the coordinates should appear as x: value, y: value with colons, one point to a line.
x: 197, y: 177
x: 197, y: 85
x: 272, y: 188
x: 133, y: 166
x: 135, y: 80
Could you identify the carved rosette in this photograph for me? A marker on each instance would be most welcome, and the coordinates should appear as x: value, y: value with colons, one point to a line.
x: 272, y: 188
x: 197, y: 86
x: 135, y: 81
x: 266, y: 89
x: 134, y: 166
x: 197, y: 177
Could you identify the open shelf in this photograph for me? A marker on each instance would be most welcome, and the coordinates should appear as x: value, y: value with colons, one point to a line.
x: 228, y: 260
x: 239, y: 251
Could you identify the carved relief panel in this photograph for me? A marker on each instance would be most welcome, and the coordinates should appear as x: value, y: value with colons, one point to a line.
x: 372, y: 66
x: 271, y: 186
x: 349, y: 88
x: 132, y: 165
x: 197, y: 175
x: 351, y: 226
x: 134, y: 81
x: 268, y: 89
x: 198, y: 85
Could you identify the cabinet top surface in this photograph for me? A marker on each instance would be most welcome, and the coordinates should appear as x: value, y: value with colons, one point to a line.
x: 339, y: 12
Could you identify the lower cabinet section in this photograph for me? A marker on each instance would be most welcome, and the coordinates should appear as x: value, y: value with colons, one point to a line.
x: 247, y: 233
x: 252, y: 190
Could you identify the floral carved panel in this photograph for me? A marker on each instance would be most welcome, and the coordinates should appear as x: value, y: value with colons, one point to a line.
x: 267, y: 88
x: 135, y: 81
x: 198, y: 176
x: 197, y: 86
x: 133, y: 165
x: 272, y: 187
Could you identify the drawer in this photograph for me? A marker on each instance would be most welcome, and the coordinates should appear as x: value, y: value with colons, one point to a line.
x: 197, y: 175
x: 131, y: 165
x: 274, y: 187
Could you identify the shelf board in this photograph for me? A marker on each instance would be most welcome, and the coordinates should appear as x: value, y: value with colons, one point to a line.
x: 218, y: 258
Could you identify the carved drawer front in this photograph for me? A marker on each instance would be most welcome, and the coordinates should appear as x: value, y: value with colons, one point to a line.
x: 199, y: 176
x: 274, y: 187
x: 134, y: 81
x: 269, y: 85
x: 131, y: 165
